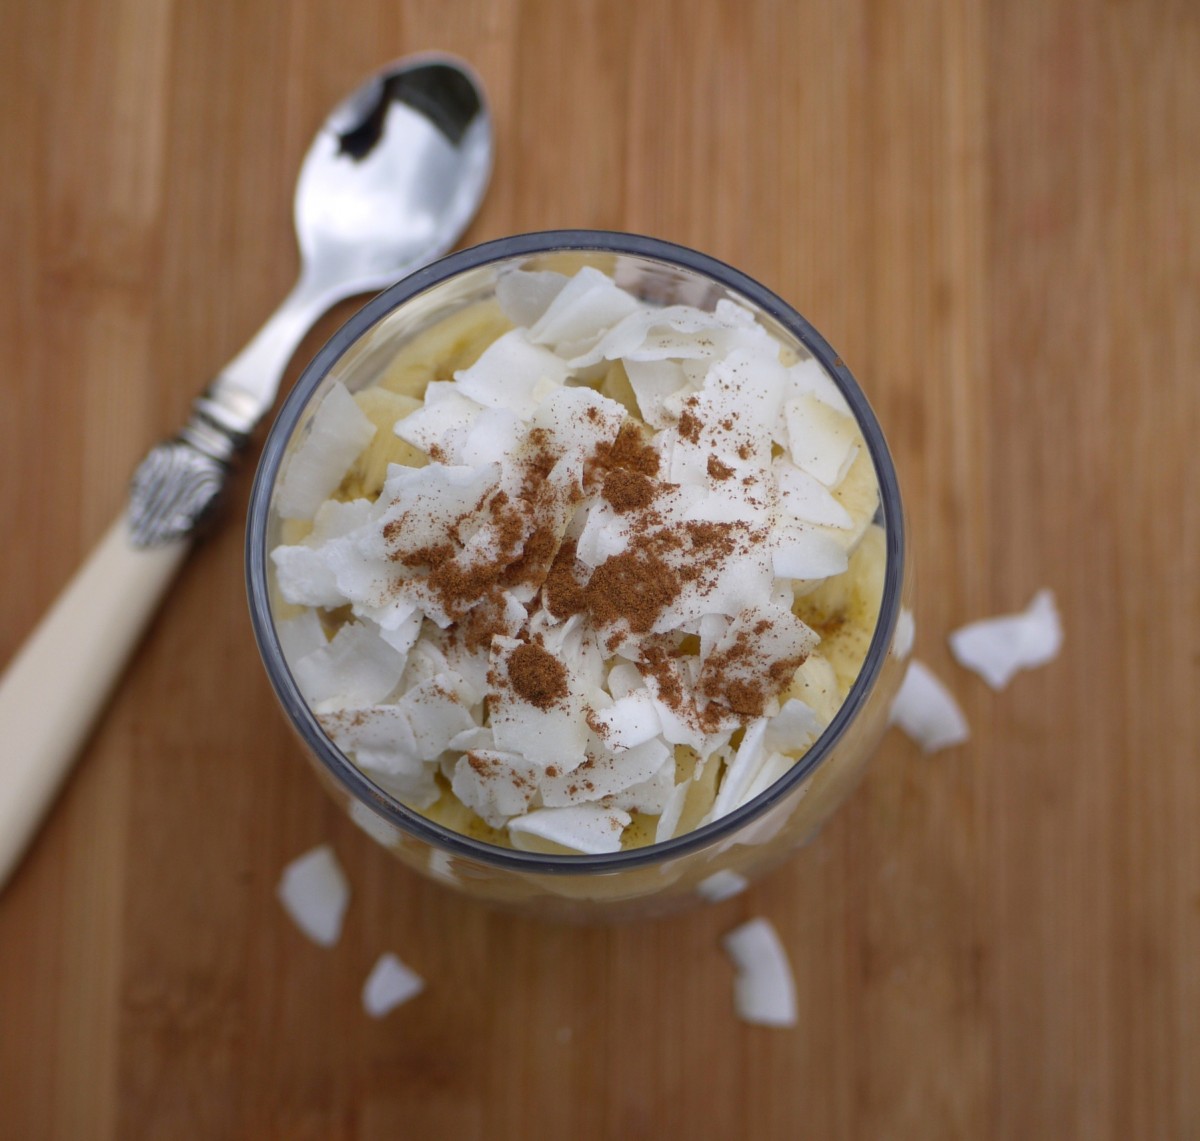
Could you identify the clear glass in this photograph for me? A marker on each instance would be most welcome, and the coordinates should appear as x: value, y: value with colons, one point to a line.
x: 638, y: 882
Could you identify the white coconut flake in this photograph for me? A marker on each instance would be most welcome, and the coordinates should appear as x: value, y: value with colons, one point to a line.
x: 807, y: 499
x: 314, y: 892
x: 668, y: 819
x: 587, y: 828
x: 389, y: 985
x: 724, y: 884
x: 806, y: 553
x: 301, y: 635
x: 495, y: 785
x: 338, y: 431
x: 764, y: 992
x: 926, y: 710
x: 808, y: 376
x: 631, y: 720
x: 996, y: 648
x: 905, y: 635
x: 581, y: 311
x: 356, y: 667
x: 654, y: 383
x: 513, y: 373
x: 524, y: 295
x: 823, y: 441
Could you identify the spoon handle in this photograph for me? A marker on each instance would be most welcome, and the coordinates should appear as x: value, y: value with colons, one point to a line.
x: 247, y: 386
x: 53, y: 690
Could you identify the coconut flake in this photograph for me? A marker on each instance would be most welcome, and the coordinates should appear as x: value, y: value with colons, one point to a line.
x: 389, y: 984
x: 824, y: 442
x: 337, y: 433
x: 524, y: 295
x: 587, y: 828
x: 381, y: 741
x: 654, y: 384
x: 608, y: 775
x: 441, y: 424
x: 513, y: 373
x: 357, y: 667
x: 996, y: 648
x: 809, y: 377
x: 926, y: 710
x: 806, y: 498
x: 905, y: 635
x: 746, y: 763
x: 314, y: 892
x: 630, y: 720
x: 724, y: 884
x: 764, y: 992
x: 793, y: 728
x: 668, y: 819
x: 495, y: 785
x: 581, y: 311
x: 301, y: 635
x: 806, y: 553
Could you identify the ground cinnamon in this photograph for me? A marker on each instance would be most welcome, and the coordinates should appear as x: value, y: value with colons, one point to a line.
x: 537, y: 676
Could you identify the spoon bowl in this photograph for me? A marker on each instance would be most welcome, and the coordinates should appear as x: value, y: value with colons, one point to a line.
x: 395, y: 174
x: 391, y: 181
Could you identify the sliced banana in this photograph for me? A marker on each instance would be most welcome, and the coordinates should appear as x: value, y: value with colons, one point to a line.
x: 437, y: 353
x: 368, y: 472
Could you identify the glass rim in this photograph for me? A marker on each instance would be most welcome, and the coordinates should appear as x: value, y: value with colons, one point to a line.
x: 408, y: 820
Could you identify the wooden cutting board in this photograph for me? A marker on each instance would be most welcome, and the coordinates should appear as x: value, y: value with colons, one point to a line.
x: 992, y: 210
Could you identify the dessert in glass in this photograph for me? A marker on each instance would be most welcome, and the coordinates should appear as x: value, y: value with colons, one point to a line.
x: 577, y: 562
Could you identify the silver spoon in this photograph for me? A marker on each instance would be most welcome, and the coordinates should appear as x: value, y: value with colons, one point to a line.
x: 391, y: 181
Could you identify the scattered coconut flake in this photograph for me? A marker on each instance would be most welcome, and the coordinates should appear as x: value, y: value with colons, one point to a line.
x: 722, y: 885
x: 996, y: 648
x: 905, y: 635
x: 764, y: 991
x: 926, y: 710
x: 314, y: 892
x: 389, y: 984
x: 338, y: 431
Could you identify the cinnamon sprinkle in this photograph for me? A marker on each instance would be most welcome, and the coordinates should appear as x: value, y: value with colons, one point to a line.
x: 689, y: 426
x: 718, y: 470
x: 537, y: 676
x: 562, y: 592
x: 636, y: 586
x: 625, y: 595
x: 628, y: 491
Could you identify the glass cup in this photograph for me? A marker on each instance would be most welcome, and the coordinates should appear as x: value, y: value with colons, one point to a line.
x: 713, y: 860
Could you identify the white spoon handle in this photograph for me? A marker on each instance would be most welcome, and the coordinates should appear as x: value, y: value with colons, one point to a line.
x: 54, y: 688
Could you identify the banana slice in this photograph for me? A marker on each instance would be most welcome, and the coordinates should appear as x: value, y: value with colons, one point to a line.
x: 437, y: 353
x: 368, y: 472
x: 858, y: 493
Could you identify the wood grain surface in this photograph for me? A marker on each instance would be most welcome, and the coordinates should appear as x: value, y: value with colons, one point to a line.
x: 992, y: 210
